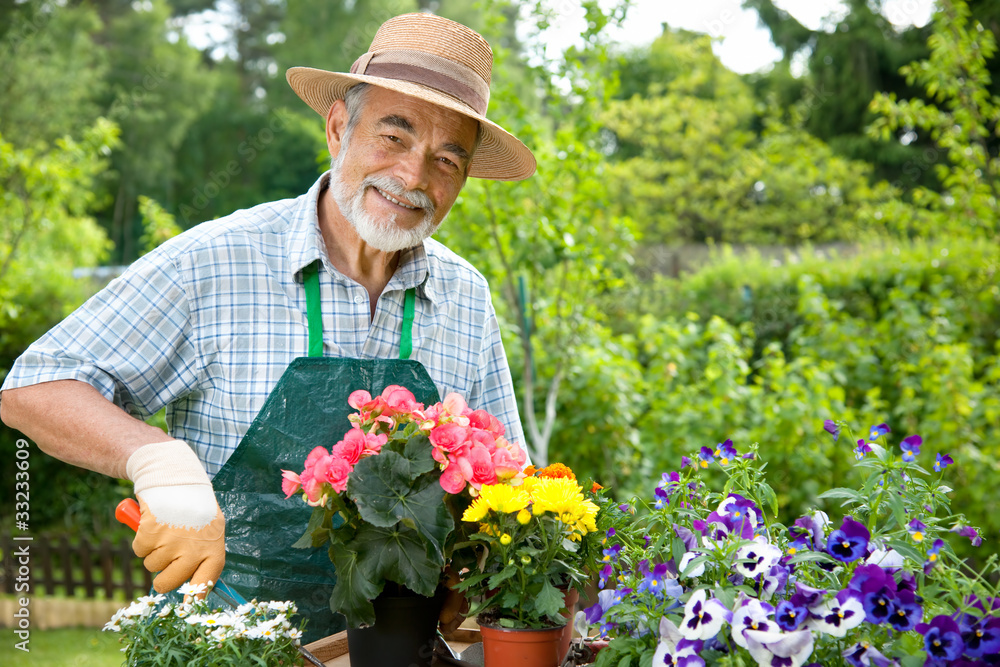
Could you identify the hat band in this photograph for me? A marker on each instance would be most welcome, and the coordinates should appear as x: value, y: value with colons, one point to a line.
x: 427, y: 69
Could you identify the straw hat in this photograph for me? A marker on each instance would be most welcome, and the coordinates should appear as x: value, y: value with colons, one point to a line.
x: 436, y: 60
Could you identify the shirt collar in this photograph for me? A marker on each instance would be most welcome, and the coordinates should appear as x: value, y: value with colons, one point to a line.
x: 306, y: 245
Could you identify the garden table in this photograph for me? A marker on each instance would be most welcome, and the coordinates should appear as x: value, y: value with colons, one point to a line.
x: 333, y: 651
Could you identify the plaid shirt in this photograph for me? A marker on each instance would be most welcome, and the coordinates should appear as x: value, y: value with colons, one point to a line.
x: 207, y: 323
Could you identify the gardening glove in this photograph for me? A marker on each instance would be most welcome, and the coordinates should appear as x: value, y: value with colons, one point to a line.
x: 455, y: 605
x: 182, y: 533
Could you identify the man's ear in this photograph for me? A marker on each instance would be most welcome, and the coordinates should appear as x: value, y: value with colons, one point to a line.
x: 336, y: 125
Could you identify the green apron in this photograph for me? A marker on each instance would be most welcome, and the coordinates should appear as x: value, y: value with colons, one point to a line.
x: 307, y: 408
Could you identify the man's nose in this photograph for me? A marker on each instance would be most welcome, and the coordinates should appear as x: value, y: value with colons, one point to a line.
x: 413, y: 169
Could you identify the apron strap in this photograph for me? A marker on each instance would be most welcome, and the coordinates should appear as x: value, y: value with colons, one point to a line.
x: 406, y: 336
x: 314, y: 315
x: 314, y: 311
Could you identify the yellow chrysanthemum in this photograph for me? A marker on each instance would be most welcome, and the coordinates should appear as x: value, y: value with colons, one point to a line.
x: 476, y: 511
x: 505, y: 539
x: 523, y: 517
x: 504, y: 499
x: 557, y: 495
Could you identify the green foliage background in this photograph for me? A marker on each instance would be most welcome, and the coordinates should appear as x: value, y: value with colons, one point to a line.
x: 877, y: 184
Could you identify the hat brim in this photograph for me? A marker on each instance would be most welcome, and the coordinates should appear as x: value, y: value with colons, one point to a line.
x: 500, y: 157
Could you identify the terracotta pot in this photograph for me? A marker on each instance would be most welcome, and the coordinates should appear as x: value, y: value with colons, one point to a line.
x: 404, y: 633
x: 521, y: 647
x: 572, y: 596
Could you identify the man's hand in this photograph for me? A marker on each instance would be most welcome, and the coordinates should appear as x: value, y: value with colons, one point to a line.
x: 455, y: 605
x: 181, y: 530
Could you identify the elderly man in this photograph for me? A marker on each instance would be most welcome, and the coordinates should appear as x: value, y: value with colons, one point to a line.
x: 252, y: 330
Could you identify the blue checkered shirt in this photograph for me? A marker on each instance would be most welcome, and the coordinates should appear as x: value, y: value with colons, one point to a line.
x: 207, y: 323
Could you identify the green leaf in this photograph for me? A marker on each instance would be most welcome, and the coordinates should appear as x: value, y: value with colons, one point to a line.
x: 550, y: 600
x: 843, y: 494
x: 807, y: 556
x: 418, y: 453
x: 382, y: 489
x: 353, y: 591
x: 502, y: 576
x: 767, y: 495
x: 726, y: 596
x: 399, y: 554
x: 907, y: 550
x: 314, y: 531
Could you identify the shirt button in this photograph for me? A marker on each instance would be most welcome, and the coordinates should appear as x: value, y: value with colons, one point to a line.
x: 359, y: 300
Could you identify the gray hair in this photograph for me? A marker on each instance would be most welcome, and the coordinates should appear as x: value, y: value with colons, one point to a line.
x: 354, y: 100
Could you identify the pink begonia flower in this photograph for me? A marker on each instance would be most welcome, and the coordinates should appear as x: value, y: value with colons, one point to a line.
x: 315, y: 455
x: 359, y: 399
x: 452, y: 480
x: 374, y: 443
x: 504, y: 464
x: 290, y: 483
x: 334, y: 470
x: 449, y: 437
x: 481, y: 463
x: 351, y: 447
x: 400, y: 400
x: 487, y: 422
x: 484, y: 438
x: 455, y: 405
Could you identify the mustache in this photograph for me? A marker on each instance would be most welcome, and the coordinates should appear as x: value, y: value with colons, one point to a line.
x: 388, y: 184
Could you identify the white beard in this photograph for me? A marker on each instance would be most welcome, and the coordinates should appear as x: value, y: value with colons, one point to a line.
x: 381, y: 234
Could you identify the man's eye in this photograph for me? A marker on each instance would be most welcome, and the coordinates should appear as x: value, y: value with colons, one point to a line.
x: 393, y: 138
x: 449, y: 162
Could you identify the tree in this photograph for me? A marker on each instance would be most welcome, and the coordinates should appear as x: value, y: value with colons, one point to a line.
x: 698, y: 160
x: 963, y: 120
x: 551, y: 243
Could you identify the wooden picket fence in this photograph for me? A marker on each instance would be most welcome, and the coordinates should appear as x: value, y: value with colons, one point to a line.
x: 68, y: 568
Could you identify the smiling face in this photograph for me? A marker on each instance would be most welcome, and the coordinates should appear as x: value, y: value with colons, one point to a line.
x: 397, y: 172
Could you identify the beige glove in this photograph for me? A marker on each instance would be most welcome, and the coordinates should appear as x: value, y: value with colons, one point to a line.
x: 182, y: 532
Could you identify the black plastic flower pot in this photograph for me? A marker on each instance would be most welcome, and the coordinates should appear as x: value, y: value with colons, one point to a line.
x: 404, y: 633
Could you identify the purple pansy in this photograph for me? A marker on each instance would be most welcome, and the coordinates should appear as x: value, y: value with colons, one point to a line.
x: 670, y: 480
x: 906, y: 612
x: 832, y: 427
x: 942, y: 461
x: 970, y: 532
x: 751, y: 614
x: 780, y: 649
x: 981, y: 636
x: 849, y: 542
x: 703, y: 617
x: 662, y: 498
x: 791, y: 613
x: 864, y: 655
x: 876, y: 432
x: 932, y: 556
x: 706, y: 456
x: 685, y: 462
x: 835, y: 617
x: 655, y: 581
x: 726, y: 451
x: 606, y: 573
x: 911, y: 447
x: 942, y: 639
x: 775, y: 580
x: 861, y: 450
x: 675, y: 649
x: 756, y: 558
x: 916, y: 528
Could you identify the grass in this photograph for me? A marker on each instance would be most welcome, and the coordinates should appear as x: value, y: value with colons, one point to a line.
x: 77, y: 647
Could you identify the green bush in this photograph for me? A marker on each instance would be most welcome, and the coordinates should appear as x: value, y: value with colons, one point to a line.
x: 761, y: 353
